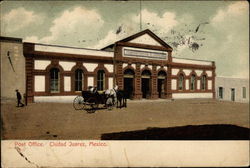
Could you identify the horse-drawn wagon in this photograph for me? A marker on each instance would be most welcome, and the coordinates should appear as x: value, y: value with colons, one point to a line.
x: 90, y: 101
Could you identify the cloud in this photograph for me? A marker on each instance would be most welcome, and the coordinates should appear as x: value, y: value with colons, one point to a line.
x: 235, y: 9
x: 79, y: 24
x: 20, y: 18
x: 131, y: 25
x: 230, y: 31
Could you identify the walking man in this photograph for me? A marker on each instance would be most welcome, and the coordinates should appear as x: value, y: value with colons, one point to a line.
x: 19, y: 98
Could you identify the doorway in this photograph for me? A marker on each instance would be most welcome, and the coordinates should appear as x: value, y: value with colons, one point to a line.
x: 128, y: 82
x: 160, y: 87
x: 232, y: 94
x: 129, y: 87
x: 161, y: 84
x: 145, y: 87
x: 146, y: 84
x: 220, y: 92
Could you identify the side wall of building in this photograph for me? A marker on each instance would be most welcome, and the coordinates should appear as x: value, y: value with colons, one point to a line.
x: 227, y: 84
x: 12, y: 78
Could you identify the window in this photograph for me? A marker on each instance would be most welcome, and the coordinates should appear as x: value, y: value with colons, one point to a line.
x: 244, y: 92
x: 54, y: 80
x: 203, y: 82
x: 220, y: 92
x: 78, y: 80
x: 233, y: 94
x: 192, y: 87
x: 181, y: 82
x: 100, y: 80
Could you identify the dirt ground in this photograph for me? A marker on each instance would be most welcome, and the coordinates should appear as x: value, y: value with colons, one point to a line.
x: 61, y: 121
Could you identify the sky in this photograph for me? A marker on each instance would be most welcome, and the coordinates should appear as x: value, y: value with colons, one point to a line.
x: 203, y: 30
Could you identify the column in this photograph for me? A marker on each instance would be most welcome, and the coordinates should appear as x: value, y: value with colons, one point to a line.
x: 154, y: 94
x: 138, y: 93
x: 168, y: 92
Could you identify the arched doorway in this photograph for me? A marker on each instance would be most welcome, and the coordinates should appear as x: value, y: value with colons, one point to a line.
x: 146, y: 84
x: 161, y: 83
x: 128, y: 82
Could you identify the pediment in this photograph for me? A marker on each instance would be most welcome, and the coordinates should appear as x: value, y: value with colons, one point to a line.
x: 145, y: 39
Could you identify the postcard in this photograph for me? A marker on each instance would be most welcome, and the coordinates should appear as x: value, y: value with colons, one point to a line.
x: 124, y: 83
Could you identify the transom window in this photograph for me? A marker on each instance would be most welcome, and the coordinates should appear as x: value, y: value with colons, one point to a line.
x: 54, y: 80
x: 162, y: 75
x: 181, y: 82
x: 100, y: 80
x: 203, y: 82
x: 192, y: 87
x: 78, y: 80
x: 129, y: 73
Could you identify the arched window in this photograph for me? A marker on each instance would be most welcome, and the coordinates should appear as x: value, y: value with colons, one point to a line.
x: 100, y: 80
x: 54, y: 80
x: 181, y: 82
x: 192, y: 87
x: 203, y: 82
x: 78, y: 80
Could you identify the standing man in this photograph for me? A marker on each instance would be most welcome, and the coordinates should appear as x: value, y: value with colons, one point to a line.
x: 19, y: 98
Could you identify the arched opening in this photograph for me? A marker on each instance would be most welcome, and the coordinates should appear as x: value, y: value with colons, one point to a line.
x: 181, y: 82
x: 100, y: 80
x: 78, y: 80
x: 146, y: 84
x: 203, y: 82
x: 192, y: 82
x: 128, y: 82
x: 54, y: 80
x: 161, y: 83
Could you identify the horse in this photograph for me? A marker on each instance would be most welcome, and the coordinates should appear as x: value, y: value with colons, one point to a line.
x: 119, y: 96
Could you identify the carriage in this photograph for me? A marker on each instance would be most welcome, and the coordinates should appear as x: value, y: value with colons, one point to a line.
x: 90, y: 101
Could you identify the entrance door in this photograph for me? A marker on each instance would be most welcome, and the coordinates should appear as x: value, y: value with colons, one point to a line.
x: 145, y: 87
x: 161, y: 82
x: 233, y: 94
x: 128, y: 82
x: 160, y: 87
x: 128, y: 86
x: 220, y: 92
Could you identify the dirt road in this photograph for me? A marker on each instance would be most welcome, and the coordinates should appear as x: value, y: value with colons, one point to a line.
x: 60, y: 121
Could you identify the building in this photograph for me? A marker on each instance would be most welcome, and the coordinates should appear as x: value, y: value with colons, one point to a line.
x: 141, y: 64
x: 232, y: 89
x: 12, y: 68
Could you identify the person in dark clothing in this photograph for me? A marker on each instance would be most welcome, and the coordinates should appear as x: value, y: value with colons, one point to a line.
x: 19, y: 98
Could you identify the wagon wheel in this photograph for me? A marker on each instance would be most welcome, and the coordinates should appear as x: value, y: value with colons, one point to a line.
x: 91, y: 105
x: 78, y: 103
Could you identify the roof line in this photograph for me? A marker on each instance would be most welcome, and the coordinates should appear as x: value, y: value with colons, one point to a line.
x: 154, y: 36
x: 69, y: 47
x: 193, y: 59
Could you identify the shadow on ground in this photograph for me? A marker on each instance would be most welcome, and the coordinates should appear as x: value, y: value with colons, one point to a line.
x: 189, y: 132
